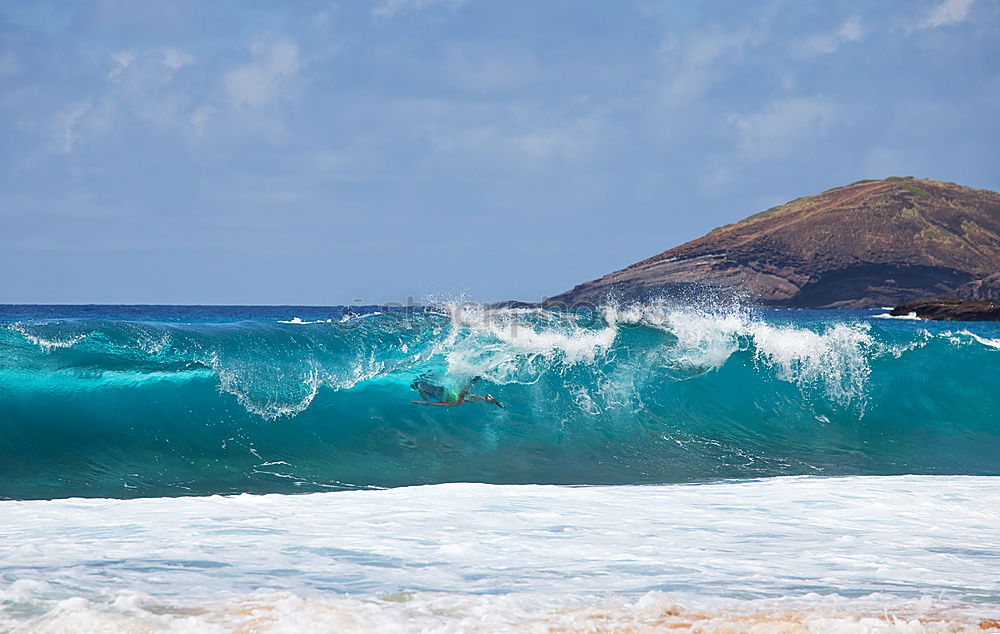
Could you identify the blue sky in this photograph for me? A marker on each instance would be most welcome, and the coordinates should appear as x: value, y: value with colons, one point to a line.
x: 317, y: 152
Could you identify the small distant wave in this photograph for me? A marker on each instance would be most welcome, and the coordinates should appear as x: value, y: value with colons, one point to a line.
x: 346, y: 317
x: 349, y: 316
x: 299, y: 320
x: 910, y: 316
x: 47, y: 344
x: 991, y: 343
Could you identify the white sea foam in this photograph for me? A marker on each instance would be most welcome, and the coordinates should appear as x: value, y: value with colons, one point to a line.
x: 359, y: 373
x: 909, y: 316
x: 430, y: 612
x: 990, y: 343
x: 502, y: 345
x: 777, y: 555
x: 507, y: 345
x: 355, y: 316
x: 300, y: 321
x: 267, y: 405
x: 153, y: 344
x: 705, y: 339
x: 47, y: 344
x: 834, y: 357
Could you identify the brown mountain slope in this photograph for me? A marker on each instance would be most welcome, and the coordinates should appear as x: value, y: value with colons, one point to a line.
x: 871, y: 243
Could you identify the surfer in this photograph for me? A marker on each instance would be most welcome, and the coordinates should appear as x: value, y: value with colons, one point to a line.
x: 434, y: 394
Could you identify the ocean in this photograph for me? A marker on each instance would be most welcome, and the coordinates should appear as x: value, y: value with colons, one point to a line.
x: 653, y: 467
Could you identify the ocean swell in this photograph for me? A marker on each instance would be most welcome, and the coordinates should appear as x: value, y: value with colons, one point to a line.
x: 625, y: 394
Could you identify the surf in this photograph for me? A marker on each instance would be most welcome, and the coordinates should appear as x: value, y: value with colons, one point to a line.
x: 160, y: 402
x: 855, y: 554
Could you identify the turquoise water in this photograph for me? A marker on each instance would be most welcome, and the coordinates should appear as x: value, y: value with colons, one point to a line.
x: 160, y: 401
x: 755, y: 466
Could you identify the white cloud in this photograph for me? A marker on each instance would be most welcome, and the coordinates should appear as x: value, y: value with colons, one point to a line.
x: 716, y: 177
x: 200, y: 117
x: 824, y: 44
x: 506, y: 144
x: 692, y: 69
x: 489, y: 69
x: 948, y: 12
x: 174, y: 58
x: 139, y: 89
x: 385, y: 9
x: 122, y: 60
x: 851, y: 30
x: 782, y: 126
x: 132, y: 61
x: 69, y: 121
x: 263, y: 80
x: 504, y: 137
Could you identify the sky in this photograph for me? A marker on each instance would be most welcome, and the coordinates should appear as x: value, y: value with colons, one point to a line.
x: 250, y: 152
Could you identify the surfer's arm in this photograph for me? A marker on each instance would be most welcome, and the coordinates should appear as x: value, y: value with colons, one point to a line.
x: 486, y: 399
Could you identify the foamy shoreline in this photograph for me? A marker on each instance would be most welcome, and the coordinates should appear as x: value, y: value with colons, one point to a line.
x: 803, y: 554
x: 436, y: 612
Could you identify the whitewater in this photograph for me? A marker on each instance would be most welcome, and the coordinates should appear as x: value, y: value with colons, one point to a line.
x: 714, y: 468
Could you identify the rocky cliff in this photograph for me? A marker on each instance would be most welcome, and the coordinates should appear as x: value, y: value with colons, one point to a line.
x: 950, y: 309
x: 871, y: 243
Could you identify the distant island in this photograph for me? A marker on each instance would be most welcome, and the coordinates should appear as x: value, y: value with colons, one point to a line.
x: 868, y: 244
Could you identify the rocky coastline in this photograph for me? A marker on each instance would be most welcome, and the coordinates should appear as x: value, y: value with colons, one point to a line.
x: 950, y: 309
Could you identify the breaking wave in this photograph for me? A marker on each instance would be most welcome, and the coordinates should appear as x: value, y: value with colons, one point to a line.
x: 645, y: 393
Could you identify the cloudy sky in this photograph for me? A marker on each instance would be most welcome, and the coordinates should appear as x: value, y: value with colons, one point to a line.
x: 319, y: 152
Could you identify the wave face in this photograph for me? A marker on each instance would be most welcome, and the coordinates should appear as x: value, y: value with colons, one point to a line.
x: 162, y: 401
